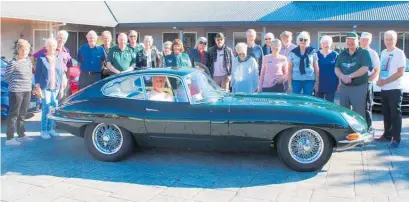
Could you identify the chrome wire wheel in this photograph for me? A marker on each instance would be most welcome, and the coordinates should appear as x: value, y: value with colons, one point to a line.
x: 107, y: 139
x: 306, y: 146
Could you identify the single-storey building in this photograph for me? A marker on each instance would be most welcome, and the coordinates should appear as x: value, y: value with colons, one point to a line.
x: 35, y: 21
x: 190, y: 20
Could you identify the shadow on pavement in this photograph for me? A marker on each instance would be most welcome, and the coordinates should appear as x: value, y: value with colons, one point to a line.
x: 66, y: 157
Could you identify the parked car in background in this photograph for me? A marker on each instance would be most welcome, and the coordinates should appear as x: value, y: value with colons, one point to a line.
x: 197, y: 114
x: 74, y: 77
x: 35, y: 103
x: 405, y: 102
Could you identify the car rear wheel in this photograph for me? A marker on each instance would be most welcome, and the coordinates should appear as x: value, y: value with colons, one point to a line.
x: 108, y: 142
x: 304, y: 149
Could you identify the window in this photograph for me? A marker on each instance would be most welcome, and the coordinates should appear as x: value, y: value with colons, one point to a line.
x: 210, y: 39
x: 162, y: 88
x: 39, y: 39
x: 127, y: 33
x: 72, y: 43
x: 241, y: 37
x: 338, y: 38
x: 189, y: 39
x: 124, y: 87
x: 401, y: 41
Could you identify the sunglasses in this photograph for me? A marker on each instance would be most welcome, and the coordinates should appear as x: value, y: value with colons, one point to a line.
x: 202, y: 42
x: 305, y: 40
x: 267, y: 39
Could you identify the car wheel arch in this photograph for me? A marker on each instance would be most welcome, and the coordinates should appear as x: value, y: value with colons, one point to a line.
x: 275, y: 138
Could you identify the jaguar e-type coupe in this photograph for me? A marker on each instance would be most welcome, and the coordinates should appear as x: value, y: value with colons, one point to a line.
x: 184, y: 107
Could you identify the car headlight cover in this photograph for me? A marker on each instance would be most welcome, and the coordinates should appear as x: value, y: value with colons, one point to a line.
x: 353, y: 122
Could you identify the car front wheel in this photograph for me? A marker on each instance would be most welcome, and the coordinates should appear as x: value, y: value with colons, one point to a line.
x: 108, y: 142
x: 304, y: 149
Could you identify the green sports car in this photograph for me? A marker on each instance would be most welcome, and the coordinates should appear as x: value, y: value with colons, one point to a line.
x: 183, y: 107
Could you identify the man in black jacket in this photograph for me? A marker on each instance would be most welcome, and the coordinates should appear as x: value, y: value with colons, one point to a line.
x: 220, y: 61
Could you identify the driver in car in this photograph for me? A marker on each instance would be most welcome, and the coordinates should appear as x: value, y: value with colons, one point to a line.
x: 157, y: 94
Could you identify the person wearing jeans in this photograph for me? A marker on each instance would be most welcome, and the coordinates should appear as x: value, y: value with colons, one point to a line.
x: 393, y: 63
x: 19, y: 78
x: 303, y: 70
x: 48, y: 78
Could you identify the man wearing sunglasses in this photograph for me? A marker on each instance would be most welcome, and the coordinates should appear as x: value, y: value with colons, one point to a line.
x: 220, y: 62
x: 133, y: 43
x: 352, y: 70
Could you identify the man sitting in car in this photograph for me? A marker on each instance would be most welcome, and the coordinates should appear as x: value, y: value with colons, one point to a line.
x: 157, y: 93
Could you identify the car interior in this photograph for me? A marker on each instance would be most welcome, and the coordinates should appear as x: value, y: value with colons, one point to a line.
x: 132, y: 88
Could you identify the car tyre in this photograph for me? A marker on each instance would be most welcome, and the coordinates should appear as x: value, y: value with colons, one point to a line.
x: 126, y: 147
x: 286, y: 149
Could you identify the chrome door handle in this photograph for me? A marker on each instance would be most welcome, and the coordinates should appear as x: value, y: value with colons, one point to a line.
x: 151, y: 110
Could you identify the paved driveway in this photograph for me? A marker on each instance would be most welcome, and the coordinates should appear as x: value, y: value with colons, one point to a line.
x: 61, y: 170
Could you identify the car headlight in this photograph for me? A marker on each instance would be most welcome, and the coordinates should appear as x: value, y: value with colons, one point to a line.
x: 354, y: 123
x: 76, y: 79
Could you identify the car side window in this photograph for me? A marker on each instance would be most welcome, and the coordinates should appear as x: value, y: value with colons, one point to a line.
x: 165, y: 89
x: 125, y: 87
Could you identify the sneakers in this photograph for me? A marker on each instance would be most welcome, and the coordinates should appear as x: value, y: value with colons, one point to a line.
x: 25, y: 138
x: 53, y: 133
x: 13, y: 142
x: 394, y: 144
x: 45, y: 135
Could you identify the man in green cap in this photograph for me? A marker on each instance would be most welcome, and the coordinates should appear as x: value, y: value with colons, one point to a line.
x: 352, y: 69
x: 121, y: 57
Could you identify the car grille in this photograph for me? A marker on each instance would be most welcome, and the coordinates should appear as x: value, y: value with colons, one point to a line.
x: 378, y: 99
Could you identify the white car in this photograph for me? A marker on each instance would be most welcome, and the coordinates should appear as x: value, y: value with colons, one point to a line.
x: 405, y: 102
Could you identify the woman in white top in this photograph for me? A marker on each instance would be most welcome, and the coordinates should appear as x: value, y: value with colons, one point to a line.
x: 393, y: 63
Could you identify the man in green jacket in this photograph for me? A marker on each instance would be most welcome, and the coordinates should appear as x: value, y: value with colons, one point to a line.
x: 352, y: 70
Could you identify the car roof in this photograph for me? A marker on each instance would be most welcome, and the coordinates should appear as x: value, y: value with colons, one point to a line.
x: 174, y: 70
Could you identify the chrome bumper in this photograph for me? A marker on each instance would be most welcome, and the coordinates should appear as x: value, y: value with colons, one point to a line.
x: 366, y: 137
x: 60, y: 119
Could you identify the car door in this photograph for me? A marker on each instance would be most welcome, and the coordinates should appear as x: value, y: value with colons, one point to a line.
x: 177, y: 119
x: 127, y: 95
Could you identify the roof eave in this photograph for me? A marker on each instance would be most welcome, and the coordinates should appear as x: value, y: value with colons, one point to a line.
x: 265, y: 23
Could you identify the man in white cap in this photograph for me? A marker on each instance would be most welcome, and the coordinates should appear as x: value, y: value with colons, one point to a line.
x: 365, y: 42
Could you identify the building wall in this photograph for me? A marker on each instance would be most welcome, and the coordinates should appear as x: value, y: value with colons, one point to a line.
x: 13, y: 29
x: 229, y: 31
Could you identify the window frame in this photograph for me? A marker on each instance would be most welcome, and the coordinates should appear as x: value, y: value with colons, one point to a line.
x: 34, y: 48
x: 167, y: 75
x: 104, y: 87
x: 245, y: 36
x: 381, y: 38
x: 174, y: 32
x: 329, y: 32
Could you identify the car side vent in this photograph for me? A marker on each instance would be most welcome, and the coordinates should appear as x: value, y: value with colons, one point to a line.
x: 256, y: 100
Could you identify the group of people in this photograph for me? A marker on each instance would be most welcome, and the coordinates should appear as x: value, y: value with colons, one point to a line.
x: 277, y: 66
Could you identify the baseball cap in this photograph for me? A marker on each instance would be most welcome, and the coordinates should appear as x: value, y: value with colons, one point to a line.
x: 366, y: 35
x: 352, y: 35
